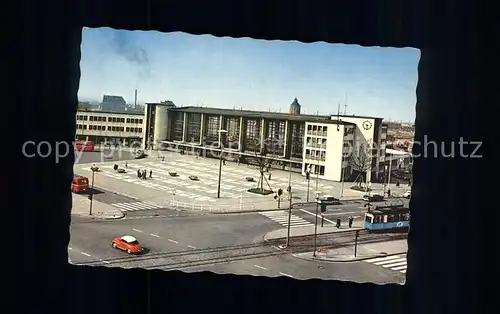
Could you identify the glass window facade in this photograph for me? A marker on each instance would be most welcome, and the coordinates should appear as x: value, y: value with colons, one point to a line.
x: 296, y: 140
x: 177, y: 126
x: 212, y: 129
x: 193, y: 127
x: 252, y: 134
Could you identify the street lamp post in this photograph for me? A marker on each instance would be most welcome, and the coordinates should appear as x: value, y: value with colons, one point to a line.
x: 220, y: 160
x: 92, y: 190
x: 289, y: 219
x: 317, y: 172
x: 316, y: 223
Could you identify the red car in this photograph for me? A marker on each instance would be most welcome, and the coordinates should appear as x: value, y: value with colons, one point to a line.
x: 79, y: 184
x: 128, y: 244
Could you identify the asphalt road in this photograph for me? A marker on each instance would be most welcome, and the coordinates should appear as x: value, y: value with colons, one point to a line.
x: 217, y: 243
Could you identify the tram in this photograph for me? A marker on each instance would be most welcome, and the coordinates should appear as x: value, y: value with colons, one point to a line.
x: 388, y: 218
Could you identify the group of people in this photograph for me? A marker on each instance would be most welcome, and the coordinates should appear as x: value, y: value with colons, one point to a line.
x: 143, y: 173
x: 339, y: 222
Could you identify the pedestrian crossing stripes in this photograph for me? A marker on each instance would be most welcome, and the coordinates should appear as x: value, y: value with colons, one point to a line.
x: 281, y: 217
x: 393, y: 262
x: 135, y: 206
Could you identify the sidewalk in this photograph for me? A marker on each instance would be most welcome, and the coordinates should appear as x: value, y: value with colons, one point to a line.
x: 343, y: 254
x: 81, y: 207
x: 309, y: 230
x: 364, y: 251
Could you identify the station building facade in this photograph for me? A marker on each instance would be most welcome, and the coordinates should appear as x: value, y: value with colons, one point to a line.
x: 109, y: 127
x: 307, y: 143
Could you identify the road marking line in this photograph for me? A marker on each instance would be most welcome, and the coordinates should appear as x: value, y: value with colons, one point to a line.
x: 173, y: 241
x: 70, y: 248
x: 106, y: 262
x: 287, y: 275
x: 400, y: 267
x: 379, y: 259
x: 137, y: 230
x: 260, y: 267
x: 86, y: 254
x: 403, y: 271
x: 399, y: 262
x: 154, y: 235
x: 192, y: 247
x: 308, y: 212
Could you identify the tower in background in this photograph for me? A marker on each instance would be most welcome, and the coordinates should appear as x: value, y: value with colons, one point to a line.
x: 295, y: 107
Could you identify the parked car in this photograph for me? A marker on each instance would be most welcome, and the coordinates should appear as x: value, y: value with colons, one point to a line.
x: 373, y: 198
x: 79, y: 184
x: 329, y: 200
x: 407, y: 194
x: 128, y: 244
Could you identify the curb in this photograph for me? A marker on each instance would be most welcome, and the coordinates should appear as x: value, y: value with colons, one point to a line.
x: 266, y: 238
x: 345, y: 260
x: 248, y: 211
x: 94, y: 217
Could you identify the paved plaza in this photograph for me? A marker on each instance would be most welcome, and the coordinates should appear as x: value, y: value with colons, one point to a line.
x: 182, y: 192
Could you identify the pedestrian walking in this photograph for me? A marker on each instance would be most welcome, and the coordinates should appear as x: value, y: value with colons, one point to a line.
x: 138, y: 173
x: 351, y: 219
x: 269, y: 176
x: 126, y: 164
x: 224, y: 161
x: 338, y: 223
x: 150, y: 173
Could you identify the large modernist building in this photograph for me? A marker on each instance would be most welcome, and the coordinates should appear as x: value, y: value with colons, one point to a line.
x: 311, y: 143
x: 111, y: 127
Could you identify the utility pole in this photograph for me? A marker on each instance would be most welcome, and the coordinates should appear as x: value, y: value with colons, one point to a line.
x: 317, y: 171
x: 389, y: 175
x: 342, y: 174
x: 316, y: 224
x: 91, y: 196
x: 356, y: 243
x: 220, y: 161
x: 289, y: 220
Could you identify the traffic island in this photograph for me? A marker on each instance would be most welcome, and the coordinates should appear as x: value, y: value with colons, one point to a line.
x: 349, y: 249
x: 360, y: 253
x: 81, y: 207
x: 260, y: 191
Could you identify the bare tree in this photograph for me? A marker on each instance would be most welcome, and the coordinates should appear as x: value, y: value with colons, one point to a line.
x: 360, y: 162
x: 263, y: 163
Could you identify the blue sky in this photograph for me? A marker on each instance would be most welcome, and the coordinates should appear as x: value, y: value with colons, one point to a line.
x: 248, y: 73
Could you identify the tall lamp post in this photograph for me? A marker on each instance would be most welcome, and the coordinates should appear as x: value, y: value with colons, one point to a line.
x: 94, y: 168
x: 220, y: 160
x: 316, y: 222
x: 289, y: 219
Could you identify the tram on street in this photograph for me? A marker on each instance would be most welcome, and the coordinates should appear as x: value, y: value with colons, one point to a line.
x: 388, y: 218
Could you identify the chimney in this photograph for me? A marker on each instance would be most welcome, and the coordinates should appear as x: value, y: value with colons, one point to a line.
x: 135, y: 99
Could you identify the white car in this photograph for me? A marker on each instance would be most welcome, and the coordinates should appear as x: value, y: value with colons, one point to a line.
x: 407, y: 194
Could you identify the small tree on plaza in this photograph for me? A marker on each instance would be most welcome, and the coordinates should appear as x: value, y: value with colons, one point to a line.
x: 262, y: 163
x: 360, y: 162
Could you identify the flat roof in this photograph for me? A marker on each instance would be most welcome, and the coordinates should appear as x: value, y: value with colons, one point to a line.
x: 111, y: 112
x: 260, y: 114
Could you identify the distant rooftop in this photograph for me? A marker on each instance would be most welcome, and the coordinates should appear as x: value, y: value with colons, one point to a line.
x: 259, y: 114
x: 112, y: 98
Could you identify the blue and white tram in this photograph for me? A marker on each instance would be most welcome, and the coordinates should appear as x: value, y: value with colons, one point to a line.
x: 387, y: 218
